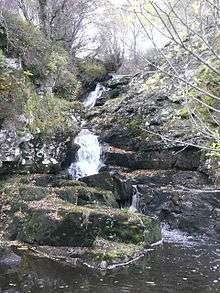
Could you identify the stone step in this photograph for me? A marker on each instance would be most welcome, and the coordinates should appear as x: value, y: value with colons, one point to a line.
x: 157, y: 178
x: 54, y: 222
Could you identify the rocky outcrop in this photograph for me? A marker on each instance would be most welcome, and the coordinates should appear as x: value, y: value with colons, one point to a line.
x: 51, y: 212
x: 185, y: 200
x: 35, y: 153
x: 150, y: 141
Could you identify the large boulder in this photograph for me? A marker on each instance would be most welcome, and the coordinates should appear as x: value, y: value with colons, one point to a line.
x: 33, y: 153
x: 195, y: 211
x: 112, y: 181
x: 54, y: 222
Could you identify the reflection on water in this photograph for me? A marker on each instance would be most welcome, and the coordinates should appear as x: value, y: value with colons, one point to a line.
x: 167, y: 268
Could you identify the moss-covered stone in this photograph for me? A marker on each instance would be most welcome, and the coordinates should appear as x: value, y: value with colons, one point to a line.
x: 49, y: 115
x: 82, y: 195
x: 54, y: 222
x: 112, y: 252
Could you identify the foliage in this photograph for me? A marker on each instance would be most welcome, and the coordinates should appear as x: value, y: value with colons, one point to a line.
x: 91, y: 70
x: 208, y: 79
x: 49, y: 114
x: 57, y: 60
x: 15, y: 88
x: 216, y: 150
x: 68, y: 85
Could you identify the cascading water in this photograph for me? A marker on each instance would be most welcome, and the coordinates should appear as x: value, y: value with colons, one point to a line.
x: 94, y: 96
x: 135, y: 199
x: 89, y: 154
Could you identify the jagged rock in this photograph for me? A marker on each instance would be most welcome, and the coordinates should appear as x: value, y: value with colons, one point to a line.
x: 187, y: 159
x: 117, y: 184
x: 192, y: 210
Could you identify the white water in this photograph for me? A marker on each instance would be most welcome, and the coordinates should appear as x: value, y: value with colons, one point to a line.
x: 93, y: 96
x: 89, y: 154
x: 178, y: 237
x: 135, y: 199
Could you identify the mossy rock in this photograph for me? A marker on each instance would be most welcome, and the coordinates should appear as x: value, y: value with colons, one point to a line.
x: 52, y: 221
x: 83, y: 195
x: 67, y: 183
x: 32, y: 193
x: 106, y: 181
x: 111, y: 252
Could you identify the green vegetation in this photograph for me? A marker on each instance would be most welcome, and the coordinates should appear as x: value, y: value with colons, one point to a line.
x: 15, y: 88
x: 49, y: 114
x: 91, y: 70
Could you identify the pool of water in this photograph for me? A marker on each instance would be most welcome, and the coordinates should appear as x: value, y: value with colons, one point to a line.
x: 170, y: 267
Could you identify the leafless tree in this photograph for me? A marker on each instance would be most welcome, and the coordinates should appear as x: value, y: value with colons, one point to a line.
x: 193, y: 28
x: 63, y: 21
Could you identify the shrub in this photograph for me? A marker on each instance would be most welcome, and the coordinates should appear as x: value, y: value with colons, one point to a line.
x: 49, y: 114
x: 68, y: 86
x: 15, y: 89
x: 91, y: 70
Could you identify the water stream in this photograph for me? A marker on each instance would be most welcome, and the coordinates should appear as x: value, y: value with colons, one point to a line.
x: 89, y: 154
x: 179, y: 264
x: 135, y: 199
x: 172, y: 267
x: 94, y: 96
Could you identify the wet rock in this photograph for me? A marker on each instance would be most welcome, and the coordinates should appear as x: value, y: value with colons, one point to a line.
x: 190, y: 210
x: 113, y: 182
x: 188, y: 159
x: 159, y: 178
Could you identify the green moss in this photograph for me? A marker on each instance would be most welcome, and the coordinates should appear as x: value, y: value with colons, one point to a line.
x: 134, y: 126
x: 32, y: 193
x: 184, y: 113
x: 154, y: 82
x: 113, y: 251
x: 15, y: 88
x: 91, y: 70
x: 57, y: 59
x: 68, y: 85
x: 67, y: 183
x: 49, y: 114
x: 35, y: 228
x: 82, y: 195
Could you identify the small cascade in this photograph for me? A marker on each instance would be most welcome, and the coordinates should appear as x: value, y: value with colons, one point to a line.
x: 89, y: 154
x: 93, y: 96
x: 135, y: 199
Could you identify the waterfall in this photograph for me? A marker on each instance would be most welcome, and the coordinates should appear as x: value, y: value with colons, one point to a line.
x: 135, y: 199
x: 89, y: 154
x: 93, y: 96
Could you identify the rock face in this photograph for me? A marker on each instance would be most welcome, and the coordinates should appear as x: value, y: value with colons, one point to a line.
x: 33, y: 153
x: 47, y: 210
x: 185, y: 200
x: 153, y: 146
